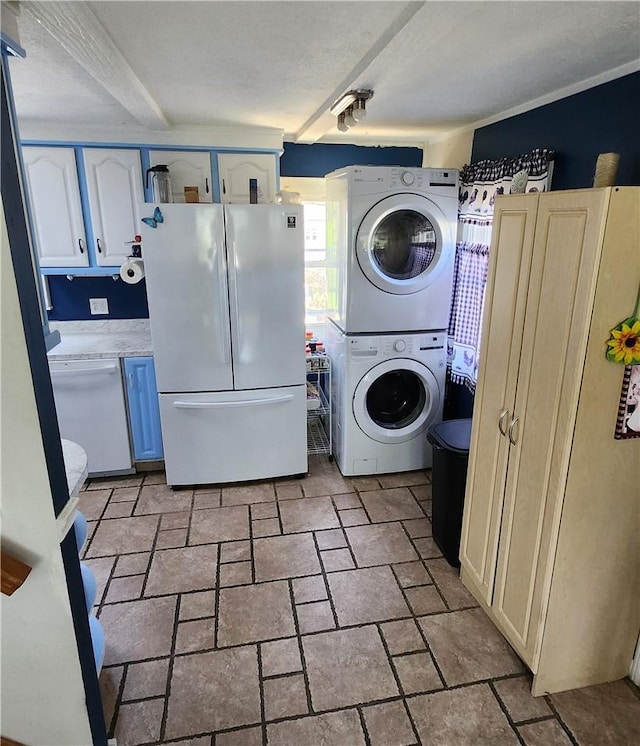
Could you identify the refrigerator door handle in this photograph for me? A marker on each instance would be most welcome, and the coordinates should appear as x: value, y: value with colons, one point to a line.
x: 222, y: 289
x: 231, y: 404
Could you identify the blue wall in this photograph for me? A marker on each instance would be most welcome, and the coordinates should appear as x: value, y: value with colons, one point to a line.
x: 320, y: 159
x: 70, y: 298
x: 603, y: 119
x: 578, y: 128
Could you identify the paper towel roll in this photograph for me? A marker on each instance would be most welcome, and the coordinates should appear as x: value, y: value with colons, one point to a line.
x: 132, y: 271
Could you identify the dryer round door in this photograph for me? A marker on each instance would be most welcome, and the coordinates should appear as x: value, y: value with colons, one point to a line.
x: 396, y: 400
x: 404, y: 243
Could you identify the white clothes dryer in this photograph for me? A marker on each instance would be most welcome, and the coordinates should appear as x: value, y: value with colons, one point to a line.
x: 386, y: 391
x: 391, y: 235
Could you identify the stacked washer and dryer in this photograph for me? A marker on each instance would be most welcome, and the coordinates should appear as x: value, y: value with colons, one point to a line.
x: 391, y: 232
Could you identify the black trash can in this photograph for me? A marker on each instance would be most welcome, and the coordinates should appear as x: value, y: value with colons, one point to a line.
x: 450, y: 441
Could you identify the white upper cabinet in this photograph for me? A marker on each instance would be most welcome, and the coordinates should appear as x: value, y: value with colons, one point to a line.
x: 114, y: 191
x: 236, y: 169
x: 56, y: 209
x: 186, y: 168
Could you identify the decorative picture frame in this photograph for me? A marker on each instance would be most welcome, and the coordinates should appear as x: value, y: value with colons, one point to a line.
x: 628, y: 420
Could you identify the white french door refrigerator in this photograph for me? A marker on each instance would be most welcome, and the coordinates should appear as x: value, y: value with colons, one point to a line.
x: 225, y: 285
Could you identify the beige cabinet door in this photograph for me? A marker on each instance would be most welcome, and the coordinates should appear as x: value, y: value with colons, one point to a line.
x: 560, y: 296
x: 505, y: 301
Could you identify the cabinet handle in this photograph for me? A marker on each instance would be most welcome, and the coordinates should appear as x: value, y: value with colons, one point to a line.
x: 501, y: 420
x: 224, y: 188
x: 130, y: 380
x: 80, y: 246
x: 99, y: 247
x: 206, y: 185
x: 514, y: 422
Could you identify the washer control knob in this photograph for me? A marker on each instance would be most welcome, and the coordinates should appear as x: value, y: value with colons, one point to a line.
x: 407, y: 178
x: 399, y: 345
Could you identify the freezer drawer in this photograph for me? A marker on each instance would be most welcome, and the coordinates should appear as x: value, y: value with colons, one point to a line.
x: 234, y: 436
x: 91, y: 411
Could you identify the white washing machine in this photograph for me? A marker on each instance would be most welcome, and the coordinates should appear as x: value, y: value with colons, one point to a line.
x: 386, y: 391
x: 391, y: 235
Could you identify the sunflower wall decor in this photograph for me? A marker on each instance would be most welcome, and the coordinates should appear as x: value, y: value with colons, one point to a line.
x: 623, y: 345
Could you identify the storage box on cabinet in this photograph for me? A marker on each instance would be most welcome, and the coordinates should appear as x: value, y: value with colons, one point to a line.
x: 550, y: 540
x: 108, y: 183
x: 144, y: 411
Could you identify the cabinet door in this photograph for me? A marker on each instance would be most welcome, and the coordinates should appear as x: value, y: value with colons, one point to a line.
x: 56, y: 210
x: 237, y: 168
x: 504, y: 306
x: 144, y: 411
x: 560, y: 296
x: 186, y: 168
x: 114, y: 189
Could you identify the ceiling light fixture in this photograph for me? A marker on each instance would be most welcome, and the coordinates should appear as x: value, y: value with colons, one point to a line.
x: 350, y: 108
x: 348, y: 117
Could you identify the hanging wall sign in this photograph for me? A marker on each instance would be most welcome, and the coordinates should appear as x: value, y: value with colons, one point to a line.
x: 628, y: 421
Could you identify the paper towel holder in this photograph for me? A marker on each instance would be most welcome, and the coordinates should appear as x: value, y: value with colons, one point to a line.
x: 136, y: 247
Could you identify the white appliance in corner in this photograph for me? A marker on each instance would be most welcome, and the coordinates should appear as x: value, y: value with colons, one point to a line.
x: 225, y: 285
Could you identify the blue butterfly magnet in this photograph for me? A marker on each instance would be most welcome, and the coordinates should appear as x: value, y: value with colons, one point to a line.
x: 157, y: 218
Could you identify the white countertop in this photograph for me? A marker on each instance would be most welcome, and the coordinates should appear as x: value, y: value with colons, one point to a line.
x: 75, y: 465
x: 101, y: 339
x: 76, y: 468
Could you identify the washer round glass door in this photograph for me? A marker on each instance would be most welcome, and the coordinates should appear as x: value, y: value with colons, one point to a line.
x: 400, y: 244
x: 396, y: 400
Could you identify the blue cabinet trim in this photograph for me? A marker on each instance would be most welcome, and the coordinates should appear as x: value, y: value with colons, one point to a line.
x: 144, y: 410
x: 146, y: 146
x: 84, y: 199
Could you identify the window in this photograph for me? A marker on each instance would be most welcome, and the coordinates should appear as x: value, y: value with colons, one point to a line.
x: 315, y: 245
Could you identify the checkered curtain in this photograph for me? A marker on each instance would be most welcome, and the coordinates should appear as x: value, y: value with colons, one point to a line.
x: 480, y: 183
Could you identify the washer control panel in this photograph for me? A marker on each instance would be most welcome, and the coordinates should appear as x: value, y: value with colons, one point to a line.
x: 402, y: 178
x: 398, y: 346
x: 423, y: 178
x: 410, y: 345
x: 409, y: 177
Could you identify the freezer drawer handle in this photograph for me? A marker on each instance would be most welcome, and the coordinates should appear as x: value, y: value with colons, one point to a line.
x: 82, y: 371
x: 230, y: 404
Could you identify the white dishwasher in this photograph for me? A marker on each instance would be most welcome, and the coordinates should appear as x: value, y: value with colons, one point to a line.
x: 91, y: 411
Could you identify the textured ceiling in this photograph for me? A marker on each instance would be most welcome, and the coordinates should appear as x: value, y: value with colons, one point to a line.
x: 434, y: 66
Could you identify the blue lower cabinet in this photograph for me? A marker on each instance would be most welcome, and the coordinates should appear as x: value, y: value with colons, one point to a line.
x: 144, y: 412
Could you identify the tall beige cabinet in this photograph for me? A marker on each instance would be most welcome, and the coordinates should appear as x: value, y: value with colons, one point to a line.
x: 550, y: 538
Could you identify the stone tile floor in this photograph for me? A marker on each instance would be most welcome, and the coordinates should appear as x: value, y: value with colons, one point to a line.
x: 303, y: 612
